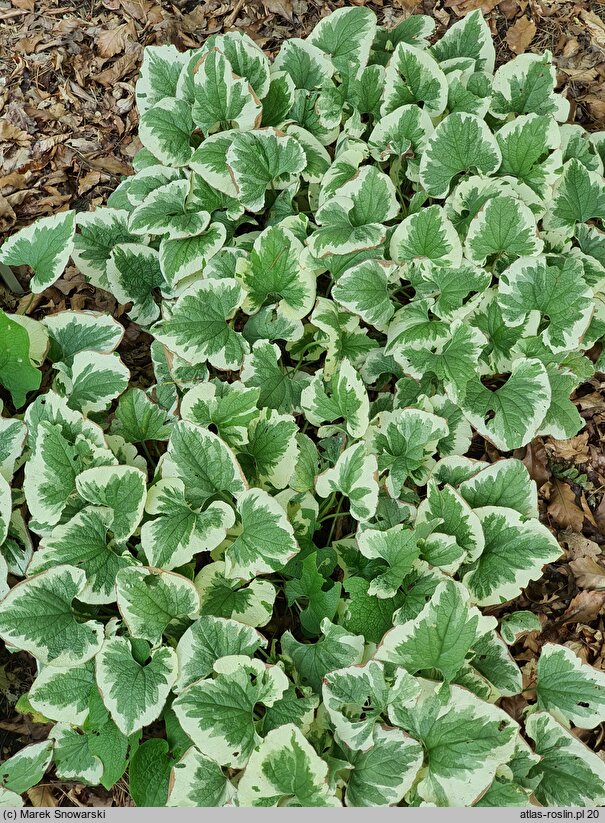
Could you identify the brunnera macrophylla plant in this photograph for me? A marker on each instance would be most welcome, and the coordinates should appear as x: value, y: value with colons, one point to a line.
x: 276, y: 565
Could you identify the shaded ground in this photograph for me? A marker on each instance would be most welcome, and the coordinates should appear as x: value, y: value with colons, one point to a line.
x: 67, y: 135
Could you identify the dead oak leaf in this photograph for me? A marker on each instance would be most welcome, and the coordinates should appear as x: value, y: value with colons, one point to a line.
x: 574, y: 449
x: 521, y: 34
x: 579, y: 546
x: 563, y: 508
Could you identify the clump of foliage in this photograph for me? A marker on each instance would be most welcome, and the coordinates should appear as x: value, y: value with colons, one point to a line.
x: 271, y: 565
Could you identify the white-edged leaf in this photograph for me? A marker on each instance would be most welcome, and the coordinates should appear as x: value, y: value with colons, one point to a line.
x: 571, y: 774
x: 134, y: 693
x: 569, y: 689
x: 165, y: 130
x: 63, y: 694
x: 122, y: 489
x: 72, y: 332
x: 515, y: 551
x: 209, y: 639
x: 460, y: 143
x: 265, y: 540
x: 355, y: 475
x: 37, y: 616
x: 198, y: 328
x: 440, y: 637
x: 179, y: 531
x: 413, y: 76
x: 197, y: 780
x: 222, y: 596
x: 347, y: 400
x: 44, y: 246
x: 427, y: 236
x: 133, y: 272
x: 221, y: 99
x: 218, y: 713
x: 150, y: 599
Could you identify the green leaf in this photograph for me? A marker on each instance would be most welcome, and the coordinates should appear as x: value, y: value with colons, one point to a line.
x: 26, y: 768
x: 134, y: 693
x: 384, y: 774
x: 355, y: 475
x: 440, y: 637
x: 150, y: 599
x: 460, y: 143
x: 149, y: 773
x: 263, y: 159
x: 44, y: 246
x: 346, y: 36
x: 465, y: 740
x: 180, y: 532
x: 203, y: 462
x: 198, y: 329
x: 17, y: 372
x: 209, y: 639
x: 37, y: 616
x: 570, y: 690
x: 319, y: 596
x: 275, y: 273
x: 364, y: 613
x: 286, y: 771
x: 570, y: 773
x: 265, y: 541
x: 337, y: 648
x: 196, y: 780
x: 218, y: 714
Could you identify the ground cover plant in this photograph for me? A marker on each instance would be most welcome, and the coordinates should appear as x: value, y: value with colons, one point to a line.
x: 267, y: 580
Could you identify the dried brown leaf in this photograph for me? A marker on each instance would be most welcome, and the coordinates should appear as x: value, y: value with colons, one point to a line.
x: 589, y: 573
x: 281, y: 7
x: 8, y: 217
x: 42, y: 796
x: 520, y: 35
x: 563, y: 507
x: 585, y: 607
x: 111, y: 41
x: 575, y: 449
x: 578, y: 545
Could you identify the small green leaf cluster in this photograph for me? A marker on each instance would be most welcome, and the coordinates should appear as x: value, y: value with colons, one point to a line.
x: 272, y: 565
